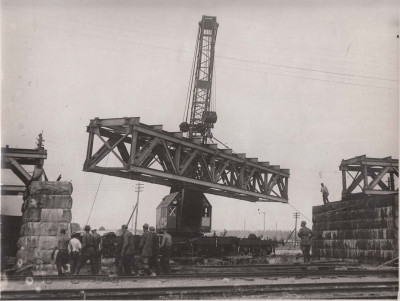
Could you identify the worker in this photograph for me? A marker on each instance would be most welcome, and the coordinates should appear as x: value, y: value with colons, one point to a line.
x: 74, y: 248
x: 165, y: 248
x: 325, y: 193
x: 128, y: 250
x: 153, y: 263
x: 88, y: 251
x: 305, y: 243
x: 62, y: 255
x: 97, y: 250
x: 146, y: 249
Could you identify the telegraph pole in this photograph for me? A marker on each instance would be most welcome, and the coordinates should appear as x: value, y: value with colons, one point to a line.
x: 264, y: 217
x: 296, y: 215
x: 139, y: 189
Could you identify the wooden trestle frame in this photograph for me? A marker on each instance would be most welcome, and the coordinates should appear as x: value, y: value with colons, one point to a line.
x: 370, y: 171
x: 149, y: 154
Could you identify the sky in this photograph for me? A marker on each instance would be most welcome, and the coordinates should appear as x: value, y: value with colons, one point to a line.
x: 301, y: 84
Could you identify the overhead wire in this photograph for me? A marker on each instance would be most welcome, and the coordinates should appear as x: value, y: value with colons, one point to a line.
x: 277, y: 65
x: 149, y: 45
x: 299, y: 212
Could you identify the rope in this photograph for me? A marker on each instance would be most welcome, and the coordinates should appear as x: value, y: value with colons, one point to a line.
x: 222, y: 144
x: 300, y: 212
x: 98, y: 187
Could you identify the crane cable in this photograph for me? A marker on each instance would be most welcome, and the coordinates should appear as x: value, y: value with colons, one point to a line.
x: 98, y: 187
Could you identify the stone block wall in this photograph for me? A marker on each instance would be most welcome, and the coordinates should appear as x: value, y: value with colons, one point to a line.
x: 365, y: 229
x: 47, y: 210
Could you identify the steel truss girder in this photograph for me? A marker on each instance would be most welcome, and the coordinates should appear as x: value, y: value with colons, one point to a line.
x: 15, y: 159
x: 368, y: 173
x: 149, y: 154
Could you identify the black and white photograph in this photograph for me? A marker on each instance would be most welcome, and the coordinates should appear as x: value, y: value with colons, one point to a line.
x: 199, y: 149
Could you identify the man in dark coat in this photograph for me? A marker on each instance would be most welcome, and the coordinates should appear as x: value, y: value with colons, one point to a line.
x: 305, y: 244
x: 146, y: 249
x: 97, y: 249
x: 153, y: 263
x: 88, y: 251
x: 128, y: 250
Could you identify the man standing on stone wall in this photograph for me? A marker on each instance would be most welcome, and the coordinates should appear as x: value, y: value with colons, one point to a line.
x: 325, y: 193
x: 88, y: 251
x: 146, y: 249
x: 97, y: 249
x: 305, y: 244
x: 62, y: 256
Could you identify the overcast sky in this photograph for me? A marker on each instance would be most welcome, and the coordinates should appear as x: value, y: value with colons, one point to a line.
x: 301, y: 84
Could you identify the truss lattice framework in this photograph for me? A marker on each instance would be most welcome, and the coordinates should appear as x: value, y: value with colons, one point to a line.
x: 368, y: 174
x: 147, y: 153
x: 15, y: 159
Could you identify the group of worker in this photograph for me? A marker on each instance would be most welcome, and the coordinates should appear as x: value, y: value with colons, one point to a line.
x: 75, y: 253
x: 149, y: 250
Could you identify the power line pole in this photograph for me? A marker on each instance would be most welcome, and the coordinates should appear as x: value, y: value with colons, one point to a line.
x: 139, y: 189
x: 296, y: 215
x: 264, y: 217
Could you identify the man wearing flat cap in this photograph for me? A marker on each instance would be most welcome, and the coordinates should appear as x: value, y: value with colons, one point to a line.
x: 128, y: 250
x: 154, y: 264
x: 305, y: 244
x: 146, y: 249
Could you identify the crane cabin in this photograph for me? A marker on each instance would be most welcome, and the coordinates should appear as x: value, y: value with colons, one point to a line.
x: 184, y: 211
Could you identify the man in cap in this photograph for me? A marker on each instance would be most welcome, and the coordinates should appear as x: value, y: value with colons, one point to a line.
x: 166, y: 245
x: 62, y: 255
x: 128, y: 250
x: 146, y: 249
x: 97, y: 249
x: 153, y: 263
x: 74, y: 247
x: 88, y: 251
x: 305, y: 234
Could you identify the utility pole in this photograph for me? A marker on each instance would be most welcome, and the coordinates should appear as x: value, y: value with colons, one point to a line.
x: 264, y: 217
x: 296, y: 215
x: 139, y: 189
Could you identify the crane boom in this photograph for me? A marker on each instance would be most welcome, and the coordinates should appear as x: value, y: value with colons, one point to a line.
x: 202, y: 118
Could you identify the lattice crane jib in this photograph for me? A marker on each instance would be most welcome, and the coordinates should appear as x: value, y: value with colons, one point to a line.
x: 202, y: 117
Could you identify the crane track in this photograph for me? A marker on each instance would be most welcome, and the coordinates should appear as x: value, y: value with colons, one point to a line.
x: 339, y: 290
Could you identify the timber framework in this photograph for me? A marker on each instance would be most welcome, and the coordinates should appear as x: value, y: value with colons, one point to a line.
x: 147, y: 153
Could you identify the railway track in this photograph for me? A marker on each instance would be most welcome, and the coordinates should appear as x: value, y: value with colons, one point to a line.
x: 338, y: 290
x: 232, y: 272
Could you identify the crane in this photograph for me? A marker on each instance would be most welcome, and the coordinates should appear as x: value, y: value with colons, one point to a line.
x: 202, y: 117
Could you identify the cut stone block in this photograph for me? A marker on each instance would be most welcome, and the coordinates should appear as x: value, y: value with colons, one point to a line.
x: 44, y: 228
x: 31, y: 215
x: 50, y: 201
x: 53, y: 187
x: 41, y: 242
x: 35, y: 256
x: 56, y: 215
